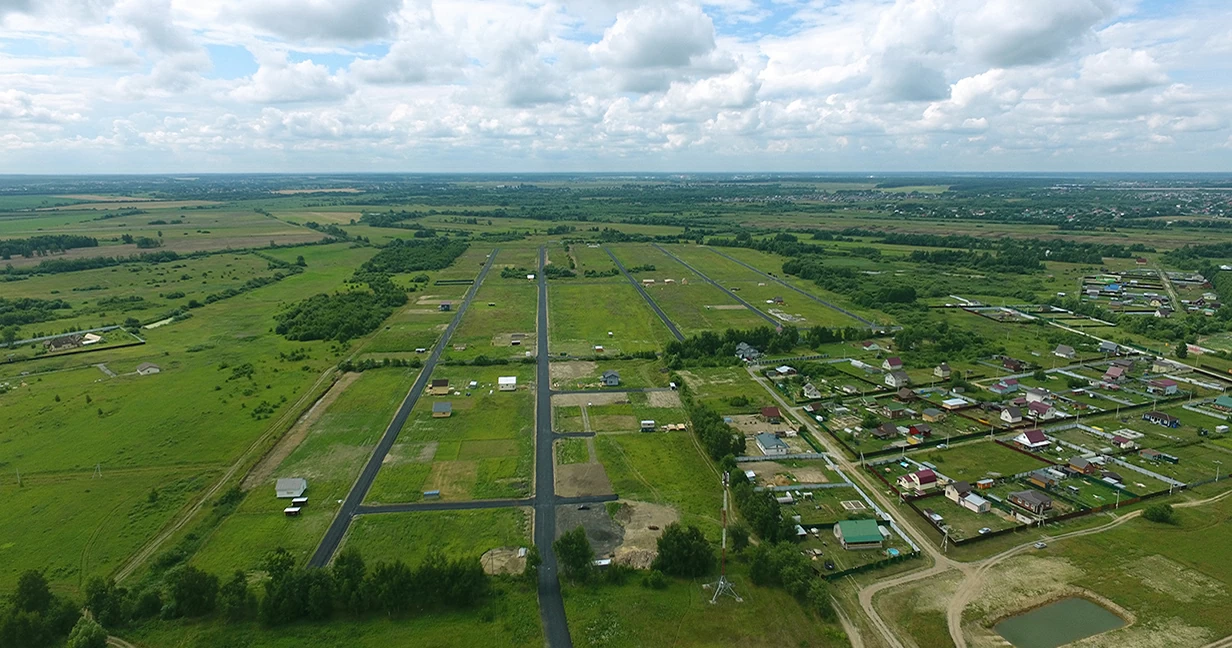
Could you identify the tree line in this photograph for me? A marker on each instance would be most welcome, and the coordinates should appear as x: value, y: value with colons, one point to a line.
x: 43, y: 245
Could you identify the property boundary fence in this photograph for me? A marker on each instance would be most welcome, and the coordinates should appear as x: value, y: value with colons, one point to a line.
x: 871, y: 566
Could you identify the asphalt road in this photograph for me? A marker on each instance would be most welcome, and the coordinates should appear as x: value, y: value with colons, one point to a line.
x: 712, y: 282
x: 471, y: 505
x: 617, y: 390
x: 659, y: 311
x: 791, y: 287
x: 342, y: 521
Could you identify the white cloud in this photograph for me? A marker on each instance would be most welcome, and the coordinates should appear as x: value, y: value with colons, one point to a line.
x: 326, y: 20
x: 1121, y: 70
x: 1007, y: 33
x: 278, y: 81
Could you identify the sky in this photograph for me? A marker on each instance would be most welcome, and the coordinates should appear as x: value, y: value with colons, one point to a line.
x: 172, y: 86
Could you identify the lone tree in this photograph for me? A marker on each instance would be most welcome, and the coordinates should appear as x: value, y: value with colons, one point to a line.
x: 684, y: 552
x: 1160, y: 513
x: 87, y: 634
x: 576, y: 556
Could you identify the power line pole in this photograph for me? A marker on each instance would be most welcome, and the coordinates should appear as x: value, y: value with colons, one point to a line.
x: 724, y: 586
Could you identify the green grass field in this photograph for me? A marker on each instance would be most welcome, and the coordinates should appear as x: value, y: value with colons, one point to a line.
x: 581, y: 316
x: 409, y: 537
x: 664, y: 469
x: 979, y: 459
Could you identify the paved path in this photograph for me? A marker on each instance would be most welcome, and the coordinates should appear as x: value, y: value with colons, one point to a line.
x: 473, y: 505
x: 551, y: 605
x: 658, y: 311
x: 342, y: 521
x: 791, y: 287
x: 755, y: 310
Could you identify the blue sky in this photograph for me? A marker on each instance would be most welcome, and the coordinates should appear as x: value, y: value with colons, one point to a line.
x: 89, y: 86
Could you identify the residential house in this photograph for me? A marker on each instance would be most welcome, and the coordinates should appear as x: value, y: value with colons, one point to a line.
x: 1064, y: 351
x: 859, y: 534
x: 1108, y: 347
x: 1150, y: 454
x: 1013, y: 364
x: 1123, y: 443
x: 1163, y: 312
x: 771, y: 415
x: 892, y: 364
x: 1037, y: 395
x: 507, y: 383
x: 63, y: 343
x: 771, y: 445
x: 905, y: 395
x: 1159, y: 418
x: 1004, y: 386
x: 921, y: 480
x: 785, y: 370
x: 811, y: 392
x: 1140, y: 261
x: 610, y: 378
x: 885, y: 431
x: 897, y: 379
x: 1032, y: 439
x: 1110, y: 476
x: 442, y: 409
x: 1162, y: 386
x: 814, y: 408
x: 1115, y: 374
x: 290, y: 487
x: 439, y: 387
x: 894, y: 410
x: 922, y: 430
x: 943, y: 371
x: 747, y: 353
x: 951, y: 404
x: 869, y: 345
x: 1041, y: 411
x: 957, y: 490
x: 1031, y: 500
x: 1011, y: 415
x: 1223, y: 403
x: 1083, y: 465
x: 147, y: 368
x: 932, y: 414
x: 1044, y: 478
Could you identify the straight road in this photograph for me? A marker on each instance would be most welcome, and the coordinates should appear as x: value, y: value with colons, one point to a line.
x: 658, y: 311
x: 618, y: 390
x: 551, y: 605
x: 472, y: 505
x: 342, y: 521
x: 756, y: 311
x: 791, y: 287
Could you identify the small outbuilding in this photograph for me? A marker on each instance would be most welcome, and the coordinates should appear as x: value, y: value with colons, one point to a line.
x: 507, y: 383
x: 442, y: 409
x: 290, y: 487
x: 147, y: 369
x: 439, y: 387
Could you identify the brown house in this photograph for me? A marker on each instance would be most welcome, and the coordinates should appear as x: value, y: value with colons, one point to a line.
x: 439, y: 387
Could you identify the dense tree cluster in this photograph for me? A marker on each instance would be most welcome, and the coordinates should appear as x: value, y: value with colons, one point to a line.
x: 28, y: 310
x: 415, y: 255
x: 340, y: 316
x: 715, y: 435
x: 684, y: 551
x: 43, y: 245
x: 56, y: 266
x: 782, y: 565
x: 33, y: 616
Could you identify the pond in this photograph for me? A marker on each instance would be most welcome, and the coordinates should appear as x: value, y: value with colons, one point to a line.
x: 1057, y: 624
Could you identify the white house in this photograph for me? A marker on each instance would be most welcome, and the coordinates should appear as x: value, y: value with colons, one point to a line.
x: 920, y: 480
x: 290, y: 487
x: 892, y: 364
x: 1011, y: 415
x: 771, y: 445
x: 975, y: 503
x: 507, y: 383
x: 897, y: 379
x: 1036, y: 395
x: 147, y: 368
x: 1033, y: 439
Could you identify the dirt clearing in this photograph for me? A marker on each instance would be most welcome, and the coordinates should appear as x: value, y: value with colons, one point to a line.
x: 572, y: 370
x: 583, y: 400
x: 577, y: 480
x: 643, y: 523
x: 264, y: 469
x: 778, y: 474
x: 663, y: 398
x: 503, y: 560
x: 754, y: 424
x: 604, y: 533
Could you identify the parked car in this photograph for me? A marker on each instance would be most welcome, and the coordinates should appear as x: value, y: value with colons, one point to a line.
x: 830, y: 565
x: 985, y: 530
x: 1041, y: 545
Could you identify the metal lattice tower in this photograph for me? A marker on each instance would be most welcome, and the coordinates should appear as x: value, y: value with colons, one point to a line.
x: 723, y: 586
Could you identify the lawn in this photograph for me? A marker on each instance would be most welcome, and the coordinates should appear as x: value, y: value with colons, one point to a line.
x: 497, y: 311
x: 571, y: 451
x: 409, y: 537
x: 585, y: 374
x: 664, y: 468
x: 979, y: 459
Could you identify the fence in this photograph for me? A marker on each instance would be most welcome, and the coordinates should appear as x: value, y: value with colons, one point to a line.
x: 871, y: 566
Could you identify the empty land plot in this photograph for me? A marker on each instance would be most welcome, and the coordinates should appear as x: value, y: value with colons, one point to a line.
x: 572, y: 451
x: 522, y: 257
x: 979, y: 459
x: 582, y: 316
x: 410, y: 537
x: 482, y: 449
x: 718, y: 385
x: 585, y: 374
x: 664, y: 469
x: 500, y: 322
x: 330, y: 458
x: 690, y: 302
x: 784, y: 304
x: 773, y: 264
x: 594, y: 259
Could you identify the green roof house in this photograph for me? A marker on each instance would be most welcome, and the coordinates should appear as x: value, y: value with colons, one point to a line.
x: 859, y: 534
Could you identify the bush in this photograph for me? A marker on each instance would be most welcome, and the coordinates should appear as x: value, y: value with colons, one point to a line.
x: 654, y: 580
x: 1160, y: 513
x: 684, y: 552
x: 87, y: 634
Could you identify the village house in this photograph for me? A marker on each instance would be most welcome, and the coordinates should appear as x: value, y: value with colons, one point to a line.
x: 771, y: 445
x: 1159, y: 418
x: 147, y: 369
x: 1115, y: 374
x: 1112, y: 477
x: 610, y: 378
x: 1041, y: 411
x: 943, y: 371
x: 892, y: 364
x: 1044, y: 478
x: 1013, y: 364
x: 290, y: 487
x: 869, y: 345
x: 893, y: 410
x: 897, y: 379
x: 1032, y: 439
x: 1223, y: 403
x: 1064, y: 351
x: 1011, y: 415
x: 439, y: 387
x: 922, y: 430
x: 783, y: 371
x: 957, y: 490
x: 885, y: 431
x: 811, y: 392
x: 1123, y: 443
x: 1162, y: 386
x: 1082, y: 465
x: 442, y: 409
x: 1163, y: 312
x: 951, y: 404
x: 975, y: 503
x: 747, y: 353
x: 1031, y: 500
x: 1037, y: 395
x: 771, y: 415
x: 1108, y: 347
x: 1004, y: 386
x: 932, y: 414
x: 905, y: 395
x: 858, y: 534
x: 921, y: 480
x: 63, y: 343
x: 814, y: 408
x: 1162, y: 365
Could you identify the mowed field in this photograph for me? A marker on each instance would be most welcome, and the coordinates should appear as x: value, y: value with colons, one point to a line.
x: 410, y: 537
x: 692, y: 304
x: 582, y: 314
x: 481, y: 451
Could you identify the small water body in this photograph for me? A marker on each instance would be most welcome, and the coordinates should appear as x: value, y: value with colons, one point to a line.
x: 1057, y: 624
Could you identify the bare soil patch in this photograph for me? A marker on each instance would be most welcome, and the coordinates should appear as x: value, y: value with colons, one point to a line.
x: 1176, y: 580
x: 776, y: 473
x: 572, y: 370
x: 604, y: 533
x: 582, y: 400
x: 755, y: 424
x: 503, y: 560
x: 614, y: 423
x: 525, y: 340
x: 411, y: 453
x: 264, y: 469
x: 643, y: 523
x: 577, y: 480
x: 663, y: 398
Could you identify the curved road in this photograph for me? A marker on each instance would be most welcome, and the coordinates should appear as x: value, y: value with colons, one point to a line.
x: 342, y: 521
